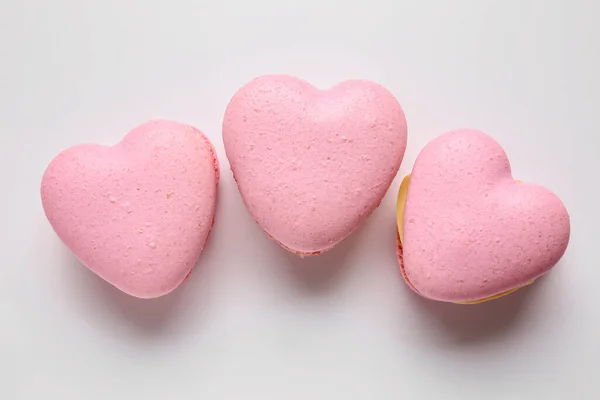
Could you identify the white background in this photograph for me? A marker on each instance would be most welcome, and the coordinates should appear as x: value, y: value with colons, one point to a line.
x: 254, y: 322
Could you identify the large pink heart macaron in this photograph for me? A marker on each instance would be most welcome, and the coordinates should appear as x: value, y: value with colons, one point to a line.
x: 137, y: 214
x: 468, y: 231
x: 312, y: 165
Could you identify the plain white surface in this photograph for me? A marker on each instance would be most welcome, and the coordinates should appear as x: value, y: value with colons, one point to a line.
x: 254, y: 322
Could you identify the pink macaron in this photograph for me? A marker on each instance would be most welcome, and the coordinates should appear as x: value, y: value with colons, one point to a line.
x: 468, y: 231
x: 311, y: 165
x: 137, y: 214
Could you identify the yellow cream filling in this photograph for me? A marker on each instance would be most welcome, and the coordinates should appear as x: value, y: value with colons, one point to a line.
x: 401, y: 204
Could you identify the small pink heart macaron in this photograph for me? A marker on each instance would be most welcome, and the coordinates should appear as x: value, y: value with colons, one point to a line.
x: 312, y: 165
x: 468, y: 232
x: 139, y: 213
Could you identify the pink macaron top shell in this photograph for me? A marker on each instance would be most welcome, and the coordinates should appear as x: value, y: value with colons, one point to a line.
x: 139, y: 213
x: 312, y: 165
x: 470, y: 230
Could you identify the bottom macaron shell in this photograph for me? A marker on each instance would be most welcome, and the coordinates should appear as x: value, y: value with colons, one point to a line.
x: 139, y: 213
x: 401, y: 263
x: 296, y: 252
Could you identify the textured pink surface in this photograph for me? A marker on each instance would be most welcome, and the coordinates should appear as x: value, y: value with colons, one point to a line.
x: 137, y: 214
x: 471, y: 230
x: 312, y: 165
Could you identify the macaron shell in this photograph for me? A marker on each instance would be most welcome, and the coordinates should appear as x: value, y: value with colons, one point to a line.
x: 312, y: 165
x: 470, y: 230
x: 139, y: 213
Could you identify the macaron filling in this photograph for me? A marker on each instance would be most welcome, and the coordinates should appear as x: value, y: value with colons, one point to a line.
x: 401, y: 204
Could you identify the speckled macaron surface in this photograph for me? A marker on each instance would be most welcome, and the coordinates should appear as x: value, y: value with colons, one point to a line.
x: 138, y: 213
x: 312, y: 165
x: 470, y: 230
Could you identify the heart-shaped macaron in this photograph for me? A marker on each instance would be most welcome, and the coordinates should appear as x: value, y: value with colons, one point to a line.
x: 312, y: 165
x: 139, y: 213
x: 468, y: 231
